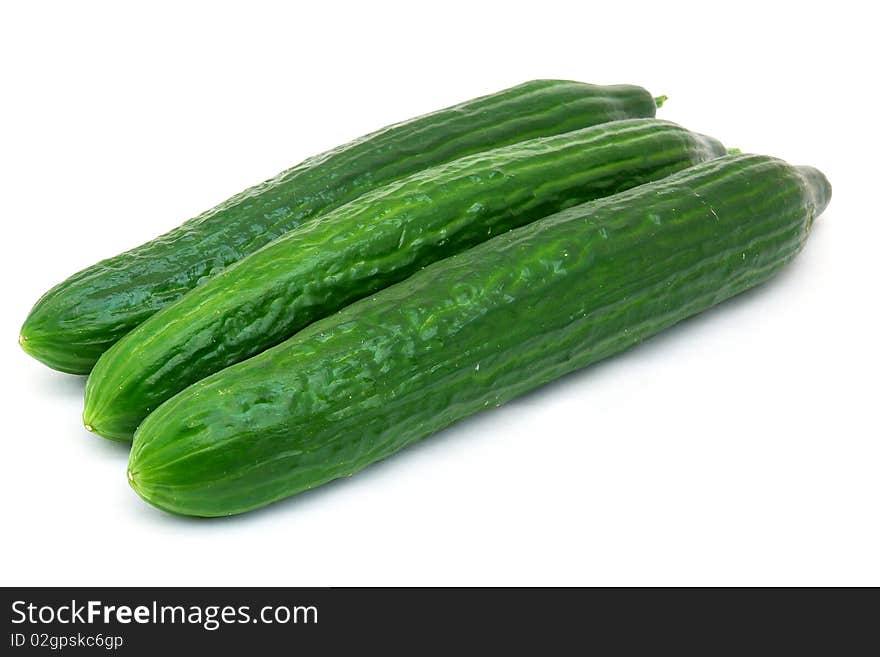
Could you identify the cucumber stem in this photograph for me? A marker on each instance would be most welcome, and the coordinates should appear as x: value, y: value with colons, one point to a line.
x: 659, y: 100
x: 819, y: 187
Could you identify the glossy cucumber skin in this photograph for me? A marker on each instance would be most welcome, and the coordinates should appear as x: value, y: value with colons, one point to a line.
x: 79, y: 319
x: 372, y: 242
x: 473, y: 331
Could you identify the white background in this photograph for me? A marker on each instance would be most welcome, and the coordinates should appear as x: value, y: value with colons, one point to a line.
x: 741, y: 447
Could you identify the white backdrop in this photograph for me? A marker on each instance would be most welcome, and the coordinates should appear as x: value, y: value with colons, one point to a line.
x: 741, y: 447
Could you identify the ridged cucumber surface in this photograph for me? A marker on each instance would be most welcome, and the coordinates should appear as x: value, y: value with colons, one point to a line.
x: 79, y: 319
x: 473, y: 331
x: 374, y: 241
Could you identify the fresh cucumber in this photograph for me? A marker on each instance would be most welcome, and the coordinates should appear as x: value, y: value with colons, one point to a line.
x: 374, y: 241
x: 77, y: 320
x: 473, y: 331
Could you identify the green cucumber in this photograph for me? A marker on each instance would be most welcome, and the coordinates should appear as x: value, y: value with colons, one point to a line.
x: 374, y: 241
x: 79, y: 319
x: 473, y: 331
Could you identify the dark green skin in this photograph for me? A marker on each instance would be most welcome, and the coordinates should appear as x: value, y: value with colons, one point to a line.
x: 372, y: 242
x: 471, y: 332
x: 79, y: 319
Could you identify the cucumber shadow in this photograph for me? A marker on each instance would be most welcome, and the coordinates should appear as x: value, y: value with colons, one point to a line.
x: 70, y: 389
x: 482, y: 423
x: 58, y: 384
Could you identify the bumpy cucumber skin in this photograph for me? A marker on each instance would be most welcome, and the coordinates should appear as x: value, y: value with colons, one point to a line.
x: 473, y: 331
x: 370, y: 243
x: 79, y: 319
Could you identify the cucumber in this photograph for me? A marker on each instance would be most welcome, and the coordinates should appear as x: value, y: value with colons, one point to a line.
x: 374, y: 241
x: 471, y: 332
x: 79, y: 319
